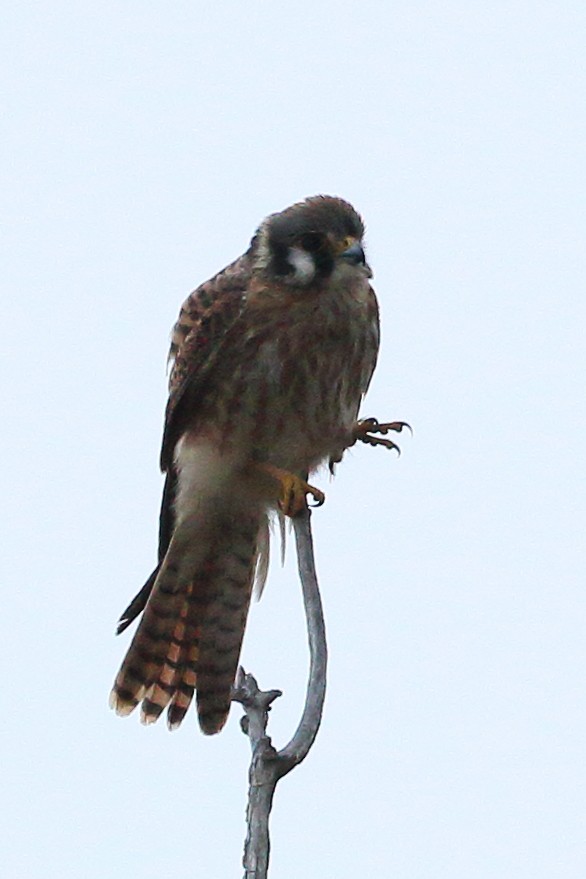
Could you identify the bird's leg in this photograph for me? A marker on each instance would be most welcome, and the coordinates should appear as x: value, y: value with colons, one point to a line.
x: 366, y: 427
x: 292, y: 490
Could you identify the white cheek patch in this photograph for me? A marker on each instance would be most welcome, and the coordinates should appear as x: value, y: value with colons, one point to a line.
x: 303, y: 265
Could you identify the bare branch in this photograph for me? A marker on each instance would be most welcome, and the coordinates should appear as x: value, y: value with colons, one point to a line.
x: 305, y: 734
x: 267, y: 765
x: 262, y: 777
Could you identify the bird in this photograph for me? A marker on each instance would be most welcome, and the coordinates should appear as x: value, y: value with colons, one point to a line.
x: 270, y: 360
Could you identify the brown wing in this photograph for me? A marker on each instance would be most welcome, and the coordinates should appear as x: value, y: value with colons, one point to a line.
x: 199, y: 335
x: 204, y: 322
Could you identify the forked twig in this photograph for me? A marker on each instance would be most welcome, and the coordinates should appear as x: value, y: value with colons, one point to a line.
x: 268, y: 765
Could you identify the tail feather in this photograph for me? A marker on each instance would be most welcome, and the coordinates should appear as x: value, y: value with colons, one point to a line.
x: 177, y: 679
x: 161, y: 692
x: 191, y: 632
x: 146, y: 657
x: 222, y: 631
x: 183, y: 695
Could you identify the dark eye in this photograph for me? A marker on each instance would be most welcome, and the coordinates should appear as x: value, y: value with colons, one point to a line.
x: 311, y: 241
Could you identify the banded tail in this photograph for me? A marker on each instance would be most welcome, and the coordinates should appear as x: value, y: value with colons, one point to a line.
x: 190, y: 636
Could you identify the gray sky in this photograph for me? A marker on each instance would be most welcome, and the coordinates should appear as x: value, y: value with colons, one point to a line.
x: 143, y: 143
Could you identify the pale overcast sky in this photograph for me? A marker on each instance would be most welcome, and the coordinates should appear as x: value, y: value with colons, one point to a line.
x: 142, y: 144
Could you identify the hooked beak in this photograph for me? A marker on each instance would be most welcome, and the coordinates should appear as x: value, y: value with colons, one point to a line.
x: 356, y: 257
x: 354, y: 254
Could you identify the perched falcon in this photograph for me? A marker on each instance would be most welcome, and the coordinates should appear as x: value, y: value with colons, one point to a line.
x: 271, y: 359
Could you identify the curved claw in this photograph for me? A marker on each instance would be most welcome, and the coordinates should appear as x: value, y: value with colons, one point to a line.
x: 377, y: 441
x: 366, y: 427
x: 294, y: 493
x: 292, y: 490
x: 373, y: 425
x: 318, y: 496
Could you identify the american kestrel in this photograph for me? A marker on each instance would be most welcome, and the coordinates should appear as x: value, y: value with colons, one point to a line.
x: 271, y: 358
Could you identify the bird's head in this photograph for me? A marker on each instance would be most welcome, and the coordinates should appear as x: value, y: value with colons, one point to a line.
x: 311, y: 241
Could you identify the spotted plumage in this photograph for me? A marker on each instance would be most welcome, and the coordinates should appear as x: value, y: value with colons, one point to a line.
x: 271, y: 358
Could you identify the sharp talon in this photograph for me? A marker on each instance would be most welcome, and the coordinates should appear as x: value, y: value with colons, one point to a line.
x: 319, y: 498
x: 293, y: 491
x: 372, y: 425
x: 377, y: 441
x: 396, y: 426
x: 366, y: 427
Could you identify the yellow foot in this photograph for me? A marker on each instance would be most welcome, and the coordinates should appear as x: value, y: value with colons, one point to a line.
x: 292, y: 490
x: 364, y: 430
